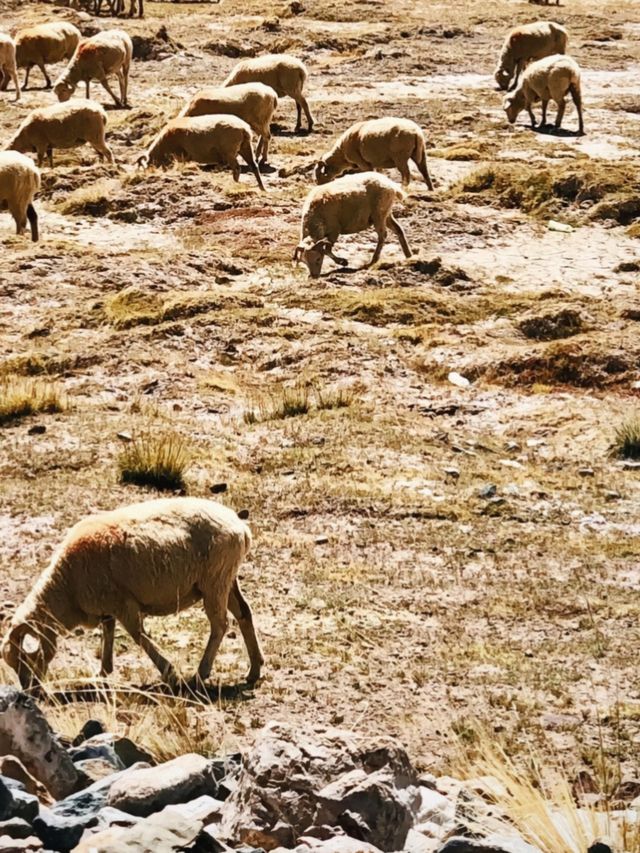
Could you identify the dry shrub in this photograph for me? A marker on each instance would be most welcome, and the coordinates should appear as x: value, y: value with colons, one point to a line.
x: 156, y: 458
x: 627, y: 439
x: 552, y: 326
x: 20, y: 397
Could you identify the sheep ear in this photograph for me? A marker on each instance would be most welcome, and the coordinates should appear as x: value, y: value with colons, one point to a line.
x: 321, y: 169
x: 323, y: 246
x: 30, y: 644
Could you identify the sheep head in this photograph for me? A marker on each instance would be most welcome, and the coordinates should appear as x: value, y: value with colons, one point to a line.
x: 29, y: 651
x: 502, y: 77
x: 63, y: 90
x: 312, y: 253
x: 513, y: 104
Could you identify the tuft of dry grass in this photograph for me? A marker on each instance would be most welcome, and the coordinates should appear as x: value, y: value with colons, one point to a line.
x: 20, y: 397
x: 540, y: 806
x: 288, y: 401
x: 627, y: 439
x: 155, y: 458
x: 334, y: 398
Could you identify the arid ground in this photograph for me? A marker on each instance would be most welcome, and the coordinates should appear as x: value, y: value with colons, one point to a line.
x: 426, y: 556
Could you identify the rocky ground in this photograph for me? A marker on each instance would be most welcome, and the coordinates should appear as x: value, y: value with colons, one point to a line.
x: 426, y: 556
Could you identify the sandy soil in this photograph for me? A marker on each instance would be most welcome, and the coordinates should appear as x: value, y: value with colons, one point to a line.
x: 428, y: 556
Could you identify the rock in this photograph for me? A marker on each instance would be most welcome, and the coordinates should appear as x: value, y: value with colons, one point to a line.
x: 599, y: 847
x: 204, y: 808
x: 628, y: 789
x: 434, y: 807
x: 142, y: 792
x: 19, y: 845
x: 208, y: 842
x: 13, y: 768
x: 15, y: 828
x: 488, y: 491
x: 6, y: 801
x: 91, y: 728
x: 491, y: 844
x: 340, y: 844
x: 89, y: 751
x: 416, y: 842
x: 25, y: 805
x: 37, y: 429
x: 95, y: 768
x: 107, y: 817
x: 586, y: 472
x: 125, y: 750
x: 218, y: 488
x: 292, y: 781
x: 165, y: 831
x: 25, y: 734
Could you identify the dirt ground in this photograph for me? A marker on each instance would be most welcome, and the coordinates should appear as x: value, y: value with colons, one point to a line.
x: 428, y: 556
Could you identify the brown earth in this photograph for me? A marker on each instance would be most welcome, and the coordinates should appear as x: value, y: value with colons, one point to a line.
x: 393, y: 589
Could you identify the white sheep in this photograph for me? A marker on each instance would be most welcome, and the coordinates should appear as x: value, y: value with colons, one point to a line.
x: 346, y: 206
x: 217, y: 139
x: 62, y: 126
x: 152, y: 558
x: 526, y: 43
x: 548, y: 79
x: 45, y: 43
x: 380, y: 143
x: 8, y: 68
x: 254, y: 103
x: 95, y: 58
x: 285, y: 74
x: 19, y: 182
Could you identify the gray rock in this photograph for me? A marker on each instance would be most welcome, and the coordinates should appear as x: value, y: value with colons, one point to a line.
x: 90, y: 750
x: 6, y: 800
x: 491, y: 844
x: 60, y: 832
x: 90, y: 729
x: 107, y: 817
x: 292, y: 781
x: 15, y: 828
x: 19, y: 845
x: 95, y: 768
x: 142, y: 792
x: 25, y: 805
x: 124, y: 749
x: 89, y: 801
x: 164, y: 831
x: 25, y: 733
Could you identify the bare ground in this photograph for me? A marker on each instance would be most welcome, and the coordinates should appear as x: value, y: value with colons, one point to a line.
x: 428, y: 556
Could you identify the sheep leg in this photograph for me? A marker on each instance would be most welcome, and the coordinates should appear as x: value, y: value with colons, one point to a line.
x: 531, y: 115
x: 519, y: 65
x: 560, y: 113
x: 133, y: 622
x: 577, y: 100
x: 19, y: 215
x: 335, y: 258
x: 26, y: 78
x: 105, y: 85
x: 301, y: 104
x: 106, y: 648
x: 422, y: 166
x: 544, y: 113
x: 241, y: 611
x: 247, y: 156
x: 397, y: 229
x: 382, y: 236
x: 50, y: 156
x: 103, y: 150
x: 403, y: 167
x: 4, y: 79
x: 216, y: 610
x: 14, y: 77
x: 47, y: 79
x: 122, y: 82
x: 32, y: 216
x: 88, y: 84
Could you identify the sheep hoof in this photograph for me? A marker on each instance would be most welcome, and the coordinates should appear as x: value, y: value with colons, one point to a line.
x: 253, y: 676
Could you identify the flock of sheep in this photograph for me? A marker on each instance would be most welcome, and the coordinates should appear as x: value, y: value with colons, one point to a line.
x: 159, y: 557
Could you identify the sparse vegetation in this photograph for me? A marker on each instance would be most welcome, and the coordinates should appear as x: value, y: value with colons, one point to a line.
x: 627, y: 438
x: 287, y: 401
x: 155, y: 457
x: 20, y: 397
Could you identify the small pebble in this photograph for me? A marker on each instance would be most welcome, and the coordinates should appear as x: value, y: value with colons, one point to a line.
x: 37, y: 429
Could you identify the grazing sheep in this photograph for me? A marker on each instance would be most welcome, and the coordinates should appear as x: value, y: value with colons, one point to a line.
x: 377, y: 144
x: 19, y: 182
x: 285, y: 74
x: 8, y: 68
x: 548, y: 79
x: 525, y: 43
x: 95, y: 58
x: 152, y: 558
x: 62, y: 126
x: 217, y: 139
x: 44, y: 44
x: 254, y: 103
x: 346, y: 206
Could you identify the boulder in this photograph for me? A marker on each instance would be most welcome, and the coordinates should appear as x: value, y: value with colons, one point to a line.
x: 142, y: 792
x: 15, y: 828
x: 89, y: 751
x: 122, y: 751
x: 339, y: 844
x: 164, y: 831
x: 16, y: 802
x: 25, y: 734
x: 20, y: 845
x: 491, y: 844
x: 292, y: 781
x: 95, y: 769
x: 13, y: 768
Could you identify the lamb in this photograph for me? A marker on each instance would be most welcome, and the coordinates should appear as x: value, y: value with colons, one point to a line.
x: 255, y: 103
x: 545, y: 80
x: 19, y: 182
x: 62, y: 126
x: 8, y: 68
x: 285, y: 74
x: 346, y: 206
x: 95, y: 58
x: 377, y: 144
x: 217, y: 139
x: 151, y: 558
x: 525, y: 43
x: 44, y: 44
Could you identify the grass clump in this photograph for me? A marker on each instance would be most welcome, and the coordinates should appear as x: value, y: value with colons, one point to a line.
x: 289, y: 401
x: 94, y: 200
x: 158, y: 459
x: 627, y: 439
x: 334, y: 398
x: 136, y: 307
x: 613, y: 189
x: 552, y: 326
x: 20, y: 397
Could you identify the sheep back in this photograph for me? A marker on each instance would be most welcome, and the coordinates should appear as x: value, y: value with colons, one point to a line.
x: 550, y: 77
x: 254, y: 103
x: 46, y: 43
x: 285, y: 74
x: 531, y: 41
x: 63, y: 125
x: 211, y: 139
x: 19, y: 179
x: 374, y: 143
x: 346, y: 205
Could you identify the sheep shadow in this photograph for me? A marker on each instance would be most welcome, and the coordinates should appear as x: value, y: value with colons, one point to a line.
x: 552, y: 130
x: 149, y: 694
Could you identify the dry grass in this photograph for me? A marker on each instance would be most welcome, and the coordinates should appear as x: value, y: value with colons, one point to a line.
x: 20, y: 397
x: 627, y: 439
x: 156, y: 458
x: 287, y: 401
